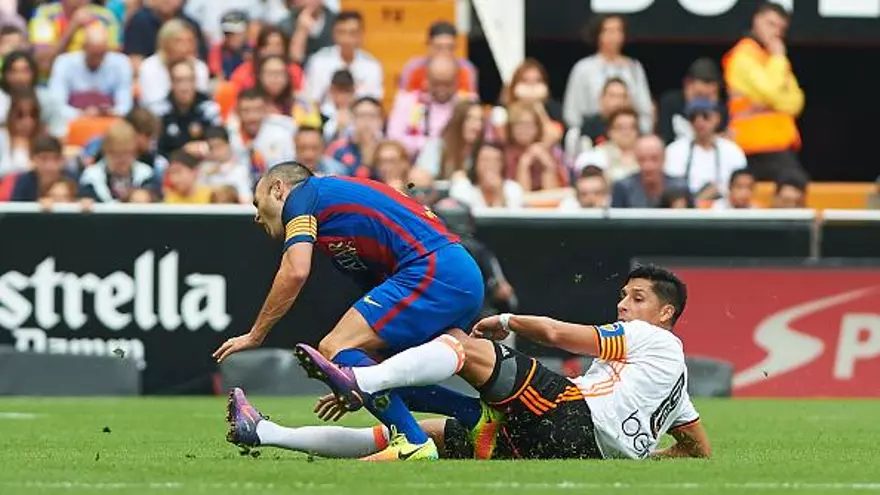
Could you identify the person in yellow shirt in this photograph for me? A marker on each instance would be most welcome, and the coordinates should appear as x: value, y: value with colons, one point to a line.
x: 57, y: 28
x: 181, y: 185
x: 764, y: 95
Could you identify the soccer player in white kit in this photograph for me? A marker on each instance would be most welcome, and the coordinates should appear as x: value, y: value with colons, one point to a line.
x: 634, y: 392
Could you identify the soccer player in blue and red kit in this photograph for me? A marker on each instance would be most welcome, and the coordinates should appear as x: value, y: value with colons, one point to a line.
x: 421, y: 289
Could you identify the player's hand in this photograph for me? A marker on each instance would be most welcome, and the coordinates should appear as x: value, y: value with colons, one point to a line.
x: 490, y: 328
x: 329, y: 408
x: 235, y: 344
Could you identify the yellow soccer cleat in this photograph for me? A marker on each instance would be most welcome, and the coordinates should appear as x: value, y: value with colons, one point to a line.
x: 399, y: 449
x: 484, y: 435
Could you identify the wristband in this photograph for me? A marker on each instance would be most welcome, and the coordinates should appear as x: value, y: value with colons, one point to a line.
x: 504, y: 318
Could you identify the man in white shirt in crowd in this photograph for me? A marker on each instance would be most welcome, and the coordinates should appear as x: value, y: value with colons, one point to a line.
x: 258, y: 138
x: 93, y: 81
x: 707, y: 160
x: 591, y: 191
x: 634, y: 392
x: 346, y: 53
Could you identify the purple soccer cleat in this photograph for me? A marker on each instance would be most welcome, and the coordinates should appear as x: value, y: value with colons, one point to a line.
x: 242, y: 419
x: 340, y: 380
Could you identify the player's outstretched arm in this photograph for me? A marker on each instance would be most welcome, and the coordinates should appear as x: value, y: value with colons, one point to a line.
x: 691, y: 441
x: 296, y: 263
x: 572, y: 337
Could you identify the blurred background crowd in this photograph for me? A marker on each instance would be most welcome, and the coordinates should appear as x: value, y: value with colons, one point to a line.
x: 174, y: 101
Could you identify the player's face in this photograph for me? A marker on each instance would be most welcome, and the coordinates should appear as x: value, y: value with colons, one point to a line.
x: 268, y: 200
x: 639, y: 302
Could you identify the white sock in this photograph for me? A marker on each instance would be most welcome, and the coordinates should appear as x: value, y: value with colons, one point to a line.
x: 427, y: 364
x: 324, y: 441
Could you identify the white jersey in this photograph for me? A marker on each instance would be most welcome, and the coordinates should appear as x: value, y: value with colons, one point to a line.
x: 636, y: 388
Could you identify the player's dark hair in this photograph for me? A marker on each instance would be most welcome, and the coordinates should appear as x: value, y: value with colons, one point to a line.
x: 773, y: 7
x: 289, y: 172
x: 666, y: 285
x: 740, y: 172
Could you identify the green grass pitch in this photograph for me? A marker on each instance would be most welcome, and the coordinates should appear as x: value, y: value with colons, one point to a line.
x: 176, y: 446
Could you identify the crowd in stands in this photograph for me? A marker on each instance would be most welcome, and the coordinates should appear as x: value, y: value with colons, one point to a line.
x: 190, y: 102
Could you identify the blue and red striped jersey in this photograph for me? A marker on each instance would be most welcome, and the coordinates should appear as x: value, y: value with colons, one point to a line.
x: 369, y: 229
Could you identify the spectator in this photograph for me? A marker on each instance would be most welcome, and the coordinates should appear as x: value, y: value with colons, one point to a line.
x: 142, y: 33
x: 19, y: 74
x: 12, y: 39
x: 48, y: 168
x: 356, y: 151
x: 617, y: 155
x: 181, y: 185
x: 222, y: 168
x: 676, y: 199
x: 391, y: 164
x: 185, y: 113
x: 740, y: 193
x: 209, y: 14
x: 114, y: 178
x: 791, y: 191
x: 230, y: 53
x: 588, y: 76
x: 706, y: 161
x: 92, y: 82
x: 421, y: 187
x: 310, y: 29
x: 418, y: 116
x: 484, y: 185
x: 702, y: 82
x: 177, y: 43
x: 63, y: 190
x: 453, y: 151
x: 310, y: 148
x: 225, y: 195
x: 270, y: 41
x: 57, y: 28
x: 141, y: 196
x: 146, y: 126
x: 645, y: 188
x: 442, y: 41
x: 765, y: 97
x: 530, y: 84
x: 346, y: 53
x: 336, y: 110
x: 615, y: 96
x: 22, y: 127
x: 533, y: 164
x: 274, y: 82
x: 591, y: 191
x: 256, y: 137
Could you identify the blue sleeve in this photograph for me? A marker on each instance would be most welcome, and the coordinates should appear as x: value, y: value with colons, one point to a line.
x: 299, y: 216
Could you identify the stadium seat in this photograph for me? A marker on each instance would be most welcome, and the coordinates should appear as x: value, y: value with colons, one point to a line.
x: 267, y: 372
x: 84, y: 129
x: 28, y: 373
x: 708, y: 377
x: 826, y: 195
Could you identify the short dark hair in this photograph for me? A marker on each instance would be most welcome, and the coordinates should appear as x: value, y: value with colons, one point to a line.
x: 704, y: 69
x: 310, y: 128
x: 342, y: 79
x: 666, y: 286
x: 595, y: 25
x: 442, y: 28
x: 349, y: 15
x: 217, y: 132
x: 591, y: 171
x: 366, y: 99
x: 183, y: 158
x: 9, y: 29
x: 620, y: 112
x: 143, y: 121
x: 290, y: 172
x: 772, y: 7
x: 46, y: 144
x: 251, y: 94
x: 614, y: 80
x: 796, y: 180
x: 742, y: 172
x: 670, y: 196
x: 10, y: 60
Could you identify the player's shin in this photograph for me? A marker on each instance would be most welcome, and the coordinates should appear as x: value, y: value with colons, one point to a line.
x: 427, y: 364
x: 387, y: 407
x: 324, y: 441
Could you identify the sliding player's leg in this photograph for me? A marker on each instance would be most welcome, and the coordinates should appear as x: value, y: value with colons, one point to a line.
x: 249, y: 428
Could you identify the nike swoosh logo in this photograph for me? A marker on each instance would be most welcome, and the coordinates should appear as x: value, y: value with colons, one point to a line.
x: 369, y: 300
x: 787, y: 349
x: 403, y: 457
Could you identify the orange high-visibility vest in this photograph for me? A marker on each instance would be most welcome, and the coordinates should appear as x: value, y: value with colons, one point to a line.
x: 756, y: 128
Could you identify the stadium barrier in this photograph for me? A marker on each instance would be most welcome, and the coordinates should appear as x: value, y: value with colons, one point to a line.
x: 167, y: 284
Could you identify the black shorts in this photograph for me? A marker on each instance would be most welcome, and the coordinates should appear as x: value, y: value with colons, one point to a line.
x: 546, y: 418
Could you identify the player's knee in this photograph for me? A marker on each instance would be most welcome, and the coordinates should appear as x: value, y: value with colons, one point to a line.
x: 457, y: 347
